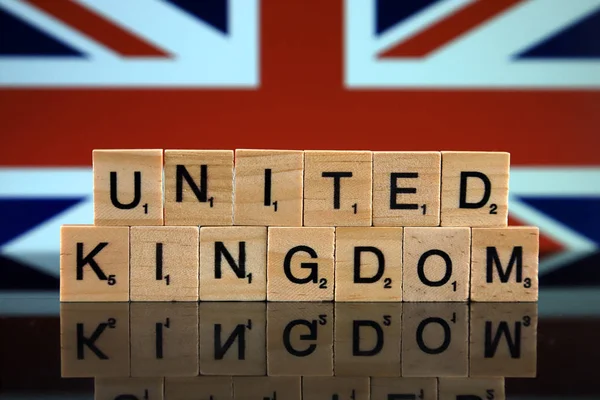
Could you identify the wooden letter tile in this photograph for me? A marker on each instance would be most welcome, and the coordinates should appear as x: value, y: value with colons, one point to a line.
x: 267, y: 388
x: 436, y: 264
x: 406, y: 188
x: 128, y: 187
x: 128, y: 388
x: 404, y: 388
x: 232, y: 339
x: 300, y: 264
x: 164, y: 339
x: 471, y: 388
x: 300, y: 339
x: 368, y: 264
x: 475, y: 188
x: 94, y: 339
x: 503, y: 339
x: 233, y: 263
x: 327, y: 388
x: 94, y: 263
x: 268, y: 187
x: 435, y: 340
x: 367, y: 339
x: 198, y: 187
x: 199, y: 388
x: 504, y: 264
x: 164, y: 263
x: 337, y: 188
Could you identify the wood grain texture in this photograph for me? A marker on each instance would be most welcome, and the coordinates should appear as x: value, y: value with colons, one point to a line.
x: 406, y: 188
x: 233, y: 339
x: 378, y: 254
x: 351, y: 204
x: 254, y: 203
x: 503, y: 340
x: 233, y: 263
x: 300, y: 339
x: 300, y: 264
x: 210, y: 200
x: 493, y: 211
x: 367, y: 339
x: 199, y: 388
x: 135, y: 197
x: 164, y: 339
x: 394, y: 388
x: 267, y: 388
x: 436, y: 264
x: 435, y: 340
x: 141, y: 388
x: 104, y: 253
x: 504, y: 264
x: 173, y: 279
x: 484, y: 388
x: 327, y: 388
x: 111, y: 321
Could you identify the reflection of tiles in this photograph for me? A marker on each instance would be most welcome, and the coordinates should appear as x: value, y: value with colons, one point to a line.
x: 298, y: 339
x: 299, y: 387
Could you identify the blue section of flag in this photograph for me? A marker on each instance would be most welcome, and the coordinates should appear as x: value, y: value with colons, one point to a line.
x: 21, y: 215
x: 580, y: 40
x: 391, y: 12
x: 18, y: 38
x: 580, y: 214
x: 213, y: 12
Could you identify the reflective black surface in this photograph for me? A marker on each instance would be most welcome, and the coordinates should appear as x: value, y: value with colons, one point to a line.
x: 300, y: 350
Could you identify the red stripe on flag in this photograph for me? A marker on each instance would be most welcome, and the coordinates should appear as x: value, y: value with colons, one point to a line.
x: 448, y: 29
x: 98, y: 28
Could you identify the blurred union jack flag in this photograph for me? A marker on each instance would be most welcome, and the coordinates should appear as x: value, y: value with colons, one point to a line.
x: 472, y: 43
x: 510, y: 75
x: 189, y: 43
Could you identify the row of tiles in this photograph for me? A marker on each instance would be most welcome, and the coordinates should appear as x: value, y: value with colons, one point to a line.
x: 295, y: 188
x: 313, y: 339
x: 298, y: 264
x: 299, y: 387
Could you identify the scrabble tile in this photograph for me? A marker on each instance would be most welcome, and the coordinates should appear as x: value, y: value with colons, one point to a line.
x: 164, y: 339
x: 337, y: 188
x: 199, y: 388
x: 435, y: 340
x: 367, y: 339
x: 328, y: 388
x: 300, y: 339
x: 198, y: 187
x: 233, y: 263
x: 406, y: 188
x: 233, y: 339
x: 268, y: 187
x: 128, y: 388
x: 436, y: 264
x: 504, y: 264
x: 368, y: 264
x: 300, y: 264
x: 94, y: 339
x: 128, y: 187
x: 267, y: 388
x: 404, y: 388
x: 471, y: 388
x: 503, y: 339
x: 164, y: 263
x: 475, y: 188
x: 94, y: 263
